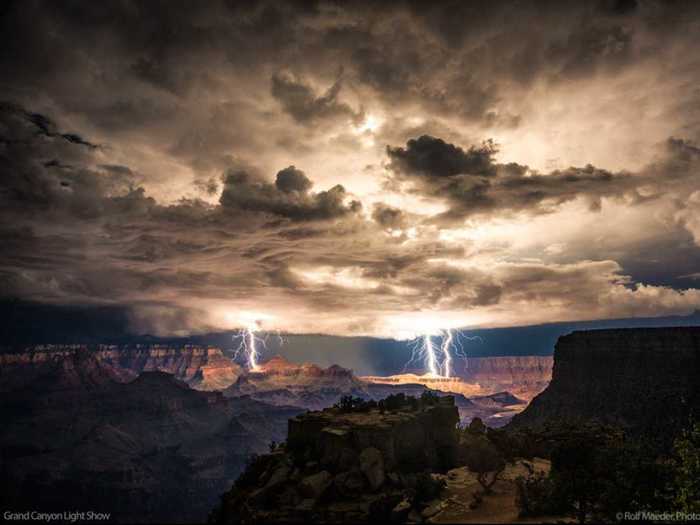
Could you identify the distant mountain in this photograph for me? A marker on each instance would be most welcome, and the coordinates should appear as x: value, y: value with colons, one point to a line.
x: 311, y: 387
x: 201, y: 367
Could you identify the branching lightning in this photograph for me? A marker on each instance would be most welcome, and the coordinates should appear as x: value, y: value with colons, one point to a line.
x: 446, y: 358
x: 438, y: 361
x: 250, y: 344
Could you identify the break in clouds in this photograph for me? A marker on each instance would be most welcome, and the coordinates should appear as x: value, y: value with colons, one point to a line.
x: 351, y: 168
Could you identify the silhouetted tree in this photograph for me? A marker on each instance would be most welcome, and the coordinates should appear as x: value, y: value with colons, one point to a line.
x: 686, y: 471
x: 485, y: 460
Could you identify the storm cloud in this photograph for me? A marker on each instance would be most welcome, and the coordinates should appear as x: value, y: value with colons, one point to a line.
x: 351, y: 168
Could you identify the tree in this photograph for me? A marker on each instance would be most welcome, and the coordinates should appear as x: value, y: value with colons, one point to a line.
x: 484, y: 459
x: 686, y: 471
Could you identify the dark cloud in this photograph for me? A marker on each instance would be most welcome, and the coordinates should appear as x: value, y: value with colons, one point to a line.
x: 471, y: 182
x: 42, y: 124
x: 433, y: 157
x: 287, y: 198
x: 388, y: 216
x: 291, y: 180
x: 303, y: 104
x: 108, y: 148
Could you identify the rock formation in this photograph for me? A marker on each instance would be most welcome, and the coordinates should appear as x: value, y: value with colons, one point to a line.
x: 524, y: 376
x: 308, y: 386
x: 643, y: 379
x: 348, y: 465
x: 150, y: 450
x: 203, y: 368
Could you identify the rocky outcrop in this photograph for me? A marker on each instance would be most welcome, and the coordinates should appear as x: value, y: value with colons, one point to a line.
x: 408, y: 440
x: 203, y: 368
x: 309, y: 386
x: 349, y: 465
x: 643, y: 379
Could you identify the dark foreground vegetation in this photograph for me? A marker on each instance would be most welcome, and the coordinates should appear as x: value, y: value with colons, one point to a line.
x: 598, y: 472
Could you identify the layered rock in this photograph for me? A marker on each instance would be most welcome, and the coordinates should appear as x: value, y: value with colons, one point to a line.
x: 643, y: 379
x: 524, y: 376
x: 348, y: 465
x: 408, y: 440
x: 203, y: 368
x: 280, y: 382
x: 150, y: 450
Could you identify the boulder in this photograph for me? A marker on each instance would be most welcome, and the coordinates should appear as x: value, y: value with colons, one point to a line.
x: 372, y: 466
x: 434, y: 508
x: 315, y: 485
x: 279, y: 476
x: 400, y: 512
x: 349, y: 484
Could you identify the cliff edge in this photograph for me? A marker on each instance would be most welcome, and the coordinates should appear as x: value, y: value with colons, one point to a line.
x: 642, y: 379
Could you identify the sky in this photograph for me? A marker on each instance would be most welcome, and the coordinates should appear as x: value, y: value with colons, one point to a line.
x: 351, y: 168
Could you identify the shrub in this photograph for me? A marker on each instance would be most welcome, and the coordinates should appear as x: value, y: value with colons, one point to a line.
x: 686, y: 471
x: 485, y: 460
x: 427, y: 488
x: 428, y: 397
x: 537, y: 496
x: 349, y: 403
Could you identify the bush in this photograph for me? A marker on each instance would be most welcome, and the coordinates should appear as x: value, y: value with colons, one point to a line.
x: 427, y: 488
x: 537, y: 496
x: 428, y: 398
x: 354, y: 404
x: 394, y: 402
x: 484, y: 459
x: 686, y: 471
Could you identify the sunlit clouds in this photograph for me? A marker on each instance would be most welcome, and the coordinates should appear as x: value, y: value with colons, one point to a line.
x: 393, y: 170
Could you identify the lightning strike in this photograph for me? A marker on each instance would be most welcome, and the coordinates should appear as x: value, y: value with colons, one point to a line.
x: 446, y: 358
x: 430, y: 354
x: 249, y: 344
x: 437, y: 361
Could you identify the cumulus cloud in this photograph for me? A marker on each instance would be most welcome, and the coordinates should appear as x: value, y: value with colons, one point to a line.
x: 433, y: 157
x: 288, y: 197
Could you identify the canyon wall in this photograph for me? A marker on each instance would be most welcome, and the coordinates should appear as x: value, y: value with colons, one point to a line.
x: 148, y: 450
x: 524, y: 376
x: 643, y: 379
x: 201, y: 367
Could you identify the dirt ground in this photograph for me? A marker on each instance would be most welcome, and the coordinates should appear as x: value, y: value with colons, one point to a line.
x: 497, y: 507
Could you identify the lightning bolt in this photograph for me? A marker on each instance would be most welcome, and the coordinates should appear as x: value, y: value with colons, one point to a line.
x: 251, y: 343
x: 458, y: 345
x: 438, y: 360
x: 445, y: 347
x: 248, y: 345
x: 430, y: 355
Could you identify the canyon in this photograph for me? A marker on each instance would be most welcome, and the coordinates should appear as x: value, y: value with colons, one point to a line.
x: 149, y: 449
x: 161, y: 431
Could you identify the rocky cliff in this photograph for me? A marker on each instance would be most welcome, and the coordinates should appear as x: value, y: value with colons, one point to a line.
x: 643, y: 379
x: 201, y: 367
x: 306, y: 385
x: 348, y: 465
x: 524, y: 376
